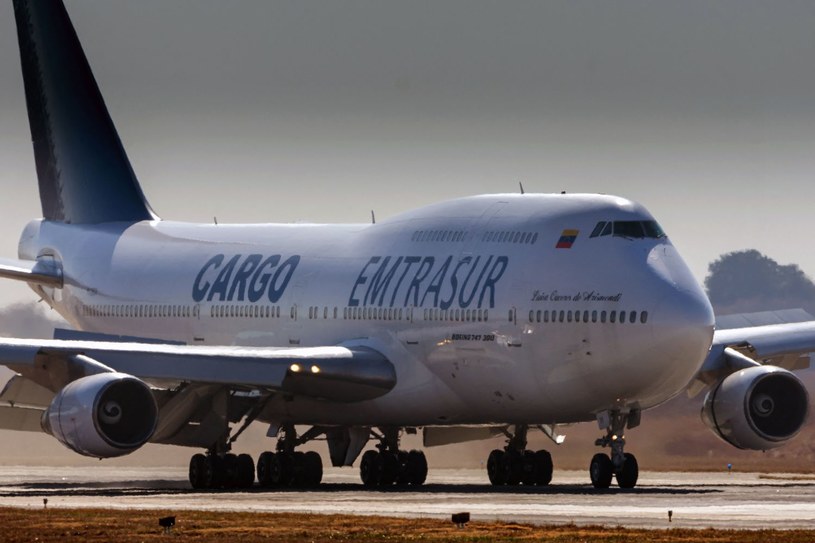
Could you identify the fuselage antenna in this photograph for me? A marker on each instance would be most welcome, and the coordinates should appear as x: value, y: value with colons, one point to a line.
x: 520, y: 183
x: 373, y: 217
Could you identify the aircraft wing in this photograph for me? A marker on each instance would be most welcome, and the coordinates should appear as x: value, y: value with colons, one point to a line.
x: 786, y: 345
x: 41, y: 272
x: 337, y: 373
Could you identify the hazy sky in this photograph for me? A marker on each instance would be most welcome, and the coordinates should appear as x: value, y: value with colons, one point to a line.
x: 262, y: 111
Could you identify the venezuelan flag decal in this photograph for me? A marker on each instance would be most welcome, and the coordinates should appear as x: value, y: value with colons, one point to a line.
x: 567, y: 239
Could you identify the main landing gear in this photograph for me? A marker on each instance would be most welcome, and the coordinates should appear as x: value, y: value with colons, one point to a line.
x: 515, y: 465
x: 287, y: 467
x: 388, y: 465
x: 621, y: 464
x: 220, y: 469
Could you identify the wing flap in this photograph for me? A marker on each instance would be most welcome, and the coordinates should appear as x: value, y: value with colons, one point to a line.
x: 20, y: 391
x: 25, y: 419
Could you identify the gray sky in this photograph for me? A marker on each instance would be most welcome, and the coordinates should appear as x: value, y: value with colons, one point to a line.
x: 262, y: 111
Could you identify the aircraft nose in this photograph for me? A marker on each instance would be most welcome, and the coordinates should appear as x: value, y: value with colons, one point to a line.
x: 684, y: 321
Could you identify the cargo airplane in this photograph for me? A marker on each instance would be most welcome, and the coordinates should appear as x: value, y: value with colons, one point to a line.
x: 481, y: 316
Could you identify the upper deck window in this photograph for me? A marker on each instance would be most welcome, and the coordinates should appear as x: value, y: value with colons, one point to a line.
x: 628, y: 229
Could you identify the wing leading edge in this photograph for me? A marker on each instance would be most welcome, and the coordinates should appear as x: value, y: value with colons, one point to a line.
x: 338, y: 373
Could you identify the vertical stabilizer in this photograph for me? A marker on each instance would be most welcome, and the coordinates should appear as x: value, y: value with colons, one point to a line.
x: 83, y: 170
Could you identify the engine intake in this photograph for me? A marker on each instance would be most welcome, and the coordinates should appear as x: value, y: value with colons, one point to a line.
x: 103, y: 415
x: 757, y: 408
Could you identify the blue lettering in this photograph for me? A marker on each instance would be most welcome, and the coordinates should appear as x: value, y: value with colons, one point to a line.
x: 353, y: 302
x: 260, y: 281
x: 200, y: 291
x: 222, y: 281
x: 277, y: 288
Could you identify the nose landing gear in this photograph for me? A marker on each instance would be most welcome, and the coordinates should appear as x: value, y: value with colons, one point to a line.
x: 620, y: 464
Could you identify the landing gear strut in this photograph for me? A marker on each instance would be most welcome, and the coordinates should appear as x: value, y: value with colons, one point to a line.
x: 621, y: 464
x: 388, y: 465
x: 287, y: 467
x: 515, y: 465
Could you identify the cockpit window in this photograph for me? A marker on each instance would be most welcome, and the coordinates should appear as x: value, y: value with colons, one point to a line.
x: 628, y: 229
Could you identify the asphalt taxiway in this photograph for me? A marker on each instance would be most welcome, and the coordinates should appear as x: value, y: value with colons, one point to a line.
x: 696, y: 500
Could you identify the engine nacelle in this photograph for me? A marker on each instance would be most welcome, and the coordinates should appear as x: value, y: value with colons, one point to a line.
x: 103, y: 415
x: 757, y: 408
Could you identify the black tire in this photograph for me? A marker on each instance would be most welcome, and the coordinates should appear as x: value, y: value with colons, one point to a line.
x: 389, y: 469
x: 265, y: 469
x: 527, y: 468
x: 198, y: 471
x: 280, y: 470
x: 601, y: 470
x: 417, y: 468
x: 245, y: 471
x: 627, y: 477
x: 513, y: 466
x: 226, y: 471
x: 313, y: 469
x: 543, y: 468
x: 495, y: 470
x: 404, y: 468
x: 369, y: 469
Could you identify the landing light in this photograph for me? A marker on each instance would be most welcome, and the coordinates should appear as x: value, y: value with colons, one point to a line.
x: 315, y: 369
x: 295, y: 368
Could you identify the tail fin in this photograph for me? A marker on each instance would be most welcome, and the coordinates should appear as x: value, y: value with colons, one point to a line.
x: 83, y: 171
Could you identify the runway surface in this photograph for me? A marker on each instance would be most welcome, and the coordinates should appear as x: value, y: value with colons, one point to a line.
x: 698, y: 500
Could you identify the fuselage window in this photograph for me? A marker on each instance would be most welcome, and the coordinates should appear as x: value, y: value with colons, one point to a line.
x: 622, y: 317
x: 612, y: 317
x: 538, y: 316
x: 632, y: 317
x: 644, y: 317
x: 531, y: 316
x: 546, y: 316
x: 602, y: 316
x: 586, y: 316
x: 594, y: 316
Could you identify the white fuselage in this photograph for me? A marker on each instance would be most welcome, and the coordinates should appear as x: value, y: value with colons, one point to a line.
x: 490, y: 309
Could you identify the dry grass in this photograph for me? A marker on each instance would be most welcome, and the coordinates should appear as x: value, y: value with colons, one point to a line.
x: 130, y: 526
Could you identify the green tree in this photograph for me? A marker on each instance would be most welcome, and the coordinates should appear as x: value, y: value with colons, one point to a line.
x: 744, y: 281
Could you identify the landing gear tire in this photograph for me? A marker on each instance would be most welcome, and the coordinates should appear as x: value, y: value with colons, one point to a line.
x: 542, y: 470
x: 264, y: 469
x: 495, y: 470
x: 245, y: 471
x: 313, y: 468
x: 627, y: 476
x: 280, y: 469
x: 200, y: 472
x: 389, y: 469
x: 370, y: 469
x: 416, y: 468
x: 601, y: 470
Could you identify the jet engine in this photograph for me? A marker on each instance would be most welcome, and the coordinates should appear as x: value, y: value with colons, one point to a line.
x: 757, y: 408
x: 103, y: 415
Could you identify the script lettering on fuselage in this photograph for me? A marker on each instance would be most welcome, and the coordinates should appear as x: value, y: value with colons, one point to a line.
x: 581, y: 296
x: 428, y: 281
x: 239, y: 278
